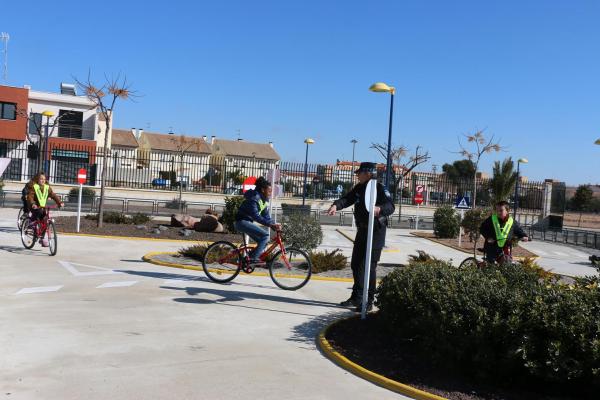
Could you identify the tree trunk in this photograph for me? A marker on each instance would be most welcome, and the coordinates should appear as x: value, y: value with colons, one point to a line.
x: 102, y: 183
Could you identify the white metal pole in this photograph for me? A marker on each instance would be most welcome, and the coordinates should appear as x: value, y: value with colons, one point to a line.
x: 460, y: 232
x: 365, y: 294
x: 417, y: 217
x: 79, y: 206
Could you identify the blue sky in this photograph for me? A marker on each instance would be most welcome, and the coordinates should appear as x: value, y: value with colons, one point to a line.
x: 526, y: 71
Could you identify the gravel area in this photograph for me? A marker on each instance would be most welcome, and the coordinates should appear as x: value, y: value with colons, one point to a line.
x: 152, y: 229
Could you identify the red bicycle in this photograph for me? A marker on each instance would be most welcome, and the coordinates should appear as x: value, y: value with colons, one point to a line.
x: 290, y: 268
x: 35, y: 229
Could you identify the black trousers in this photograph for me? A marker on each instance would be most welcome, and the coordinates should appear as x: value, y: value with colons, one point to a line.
x: 357, y: 264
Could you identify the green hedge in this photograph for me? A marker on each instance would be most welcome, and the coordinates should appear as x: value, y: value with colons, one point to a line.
x: 232, y: 204
x: 302, y: 230
x: 502, y: 323
x: 446, y: 222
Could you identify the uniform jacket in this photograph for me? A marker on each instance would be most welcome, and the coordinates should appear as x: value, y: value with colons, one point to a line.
x: 250, y: 209
x: 32, y: 197
x: 487, y: 231
x: 356, y: 198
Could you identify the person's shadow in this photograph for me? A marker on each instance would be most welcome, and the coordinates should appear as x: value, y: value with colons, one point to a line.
x: 21, y: 250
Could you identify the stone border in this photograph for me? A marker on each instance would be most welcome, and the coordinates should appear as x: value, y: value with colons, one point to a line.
x: 380, y: 380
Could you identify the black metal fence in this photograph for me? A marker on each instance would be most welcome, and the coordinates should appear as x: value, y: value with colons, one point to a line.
x: 133, y: 168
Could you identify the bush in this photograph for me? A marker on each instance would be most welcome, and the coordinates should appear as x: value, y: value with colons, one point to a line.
x: 114, y: 217
x: 87, y: 195
x: 499, y: 323
x: 473, y: 220
x: 140, y: 218
x: 174, y: 204
x: 446, y: 223
x: 196, y: 252
x: 1, y: 185
x: 232, y: 204
x: 328, y: 261
x: 302, y: 231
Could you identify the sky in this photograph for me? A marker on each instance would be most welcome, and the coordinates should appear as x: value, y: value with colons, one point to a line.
x: 526, y: 72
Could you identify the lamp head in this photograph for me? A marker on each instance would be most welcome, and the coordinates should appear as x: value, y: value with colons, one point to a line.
x: 309, y: 141
x: 380, y: 87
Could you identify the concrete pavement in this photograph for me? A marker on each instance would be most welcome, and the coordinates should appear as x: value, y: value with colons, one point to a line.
x: 95, y: 322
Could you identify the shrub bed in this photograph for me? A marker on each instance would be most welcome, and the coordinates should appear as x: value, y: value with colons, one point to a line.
x: 196, y: 252
x: 500, y: 324
x: 114, y: 217
x: 328, y: 261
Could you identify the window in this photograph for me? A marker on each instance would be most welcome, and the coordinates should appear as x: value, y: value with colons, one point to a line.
x: 3, y: 149
x: 35, y: 123
x: 8, y: 111
x: 71, y: 124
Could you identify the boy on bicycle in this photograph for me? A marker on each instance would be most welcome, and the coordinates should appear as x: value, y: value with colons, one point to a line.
x: 499, y: 231
x: 38, y: 194
x: 253, y: 209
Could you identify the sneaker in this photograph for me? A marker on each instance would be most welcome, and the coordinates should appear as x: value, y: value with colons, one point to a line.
x: 351, y: 302
x: 359, y: 307
x: 44, y: 243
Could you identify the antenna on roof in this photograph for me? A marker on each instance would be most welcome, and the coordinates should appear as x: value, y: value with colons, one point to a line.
x: 170, y: 130
x: 238, y: 133
x: 5, y: 37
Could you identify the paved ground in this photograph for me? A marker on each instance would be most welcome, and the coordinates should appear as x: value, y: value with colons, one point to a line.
x: 95, y: 322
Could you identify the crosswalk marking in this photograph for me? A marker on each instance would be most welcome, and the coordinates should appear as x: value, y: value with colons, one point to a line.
x: 69, y: 266
x: 41, y: 289
x: 116, y: 284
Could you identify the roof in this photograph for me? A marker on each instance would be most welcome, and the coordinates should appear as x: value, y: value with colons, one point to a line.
x: 161, y: 141
x: 241, y: 148
x: 122, y: 137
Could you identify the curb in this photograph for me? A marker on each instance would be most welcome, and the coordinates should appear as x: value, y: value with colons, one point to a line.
x: 350, y: 238
x: 149, y: 259
x: 380, y: 380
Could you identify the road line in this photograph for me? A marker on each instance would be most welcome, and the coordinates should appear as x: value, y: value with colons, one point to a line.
x: 41, y: 289
x: 559, y: 253
x: 116, y: 284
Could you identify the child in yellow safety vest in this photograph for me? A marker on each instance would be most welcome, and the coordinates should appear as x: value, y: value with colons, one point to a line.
x: 499, y: 231
x: 37, y: 197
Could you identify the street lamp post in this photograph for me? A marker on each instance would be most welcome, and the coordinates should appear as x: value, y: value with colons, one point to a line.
x: 48, y: 115
x: 597, y: 141
x: 353, y: 141
x: 519, y: 162
x: 307, y: 141
x: 381, y: 87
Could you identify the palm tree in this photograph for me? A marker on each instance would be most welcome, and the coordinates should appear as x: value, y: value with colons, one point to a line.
x: 503, y: 181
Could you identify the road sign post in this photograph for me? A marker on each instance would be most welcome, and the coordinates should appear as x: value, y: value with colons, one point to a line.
x: 370, y: 199
x: 462, y: 204
x: 418, y: 199
x: 81, y: 178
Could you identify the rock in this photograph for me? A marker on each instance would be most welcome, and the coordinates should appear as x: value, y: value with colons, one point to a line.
x: 156, y: 231
x: 185, y: 232
x: 163, y: 228
x: 183, y: 221
x: 141, y: 227
x: 208, y: 223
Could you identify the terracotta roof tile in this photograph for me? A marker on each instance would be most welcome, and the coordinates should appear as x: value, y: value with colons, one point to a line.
x: 122, y: 137
x: 242, y: 148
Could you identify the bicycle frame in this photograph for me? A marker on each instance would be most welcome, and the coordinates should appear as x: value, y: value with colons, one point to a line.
x: 276, y: 242
x: 41, y: 225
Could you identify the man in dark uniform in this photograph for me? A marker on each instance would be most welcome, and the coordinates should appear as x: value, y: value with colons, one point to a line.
x: 498, y: 232
x: 383, y: 208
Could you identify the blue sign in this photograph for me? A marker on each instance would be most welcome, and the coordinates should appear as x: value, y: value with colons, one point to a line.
x: 463, y: 203
x: 339, y: 188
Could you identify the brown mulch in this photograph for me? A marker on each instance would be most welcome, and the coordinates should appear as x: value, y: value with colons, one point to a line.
x: 467, y: 246
x: 68, y: 225
x: 366, y: 344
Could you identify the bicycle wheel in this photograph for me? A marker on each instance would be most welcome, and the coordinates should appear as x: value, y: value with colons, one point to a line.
x: 52, y: 238
x: 290, y: 270
x: 221, y: 262
x: 20, y: 218
x: 469, y: 262
x: 28, y: 236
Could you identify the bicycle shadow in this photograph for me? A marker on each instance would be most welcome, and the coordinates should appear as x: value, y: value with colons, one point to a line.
x: 233, y: 298
x: 6, y: 229
x: 21, y: 250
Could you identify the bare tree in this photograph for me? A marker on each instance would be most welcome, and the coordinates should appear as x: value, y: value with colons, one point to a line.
x: 397, y: 154
x: 183, y: 144
x: 481, y: 146
x: 105, y: 97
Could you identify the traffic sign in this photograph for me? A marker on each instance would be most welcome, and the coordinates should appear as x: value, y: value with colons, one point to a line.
x: 316, y: 179
x: 463, y: 203
x: 368, y: 192
x: 420, y: 188
x: 81, y: 176
x: 3, y: 164
x: 273, y: 175
x: 249, y: 183
x: 418, y: 198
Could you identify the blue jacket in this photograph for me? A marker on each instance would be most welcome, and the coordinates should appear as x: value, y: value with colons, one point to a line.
x: 250, y: 209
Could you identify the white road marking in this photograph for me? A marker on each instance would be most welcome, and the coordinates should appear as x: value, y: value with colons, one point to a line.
x: 116, y: 284
x: 69, y: 266
x: 559, y: 253
x: 540, y: 252
x: 41, y: 289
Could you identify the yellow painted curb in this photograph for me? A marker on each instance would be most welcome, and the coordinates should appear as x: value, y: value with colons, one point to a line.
x: 364, y: 373
x: 149, y: 258
x: 131, y: 238
x: 350, y: 238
